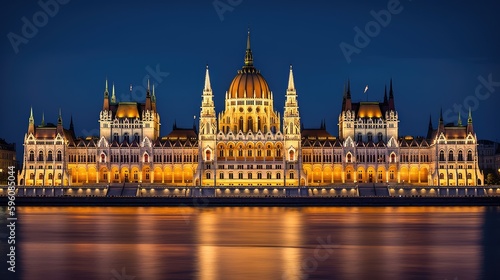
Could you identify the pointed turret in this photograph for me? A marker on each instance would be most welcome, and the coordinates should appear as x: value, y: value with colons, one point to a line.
x: 148, y: 106
x: 43, y: 119
x: 31, y: 125
x: 113, y: 96
x: 208, y: 86
x: 153, y: 98
x: 105, y: 104
x: 391, y: 97
x: 348, y: 101
x: 470, y: 128
x: 441, y: 122
x: 248, y: 53
x: 430, y: 129
x: 208, y: 122
x: 459, y: 122
x: 291, y: 82
x: 60, y: 129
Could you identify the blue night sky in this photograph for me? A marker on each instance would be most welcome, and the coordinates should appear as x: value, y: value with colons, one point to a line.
x: 438, y: 55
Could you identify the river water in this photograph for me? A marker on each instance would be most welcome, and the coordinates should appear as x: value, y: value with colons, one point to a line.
x: 125, y: 243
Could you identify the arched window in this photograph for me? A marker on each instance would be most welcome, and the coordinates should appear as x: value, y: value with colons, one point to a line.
x: 49, y: 156
x: 240, y: 152
x: 460, y: 176
x: 469, y: 176
x: 59, y: 156
x: 258, y: 123
x: 137, y: 138
x: 40, y: 156
x: 103, y: 158
x: 450, y: 156
x: 469, y: 155
x: 441, y: 176
x: 348, y: 176
x: 240, y: 124
x: 249, y: 175
x: 126, y: 137
x: 278, y: 151
x: 292, y: 175
x: 32, y: 156
x: 393, y: 158
x: 349, y: 158
x: 240, y: 175
x: 441, y: 155
x: 460, y: 156
x: 268, y: 175
x: 32, y: 176
x: 370, y: 136
x: 50, y: 176
x: 391, y: 174
x: 259, y: 175
x: 221, y: 153
x: 450, y: 176
x: 250, y: 124
x: 40, y: 176
x: 292, y: 155
x: 207, y: 175
x: 360, y: 137
x: 146, y: 158
x: 59, y: 176
x: 115, y: 137
x: 278, y: 175
x: 380, y: 137
x: 208, y: 155
x: 230, y: 150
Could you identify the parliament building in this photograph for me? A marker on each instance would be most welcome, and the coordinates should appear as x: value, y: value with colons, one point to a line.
x: 249, y: 143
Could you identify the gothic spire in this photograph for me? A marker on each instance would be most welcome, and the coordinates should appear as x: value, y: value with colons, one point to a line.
x: 113, y: 97
x: 59, y: 118
x: 248, y: 53
x: 106, y: 93
x: 441, y: 116
x: 43, y: 119
x: 385, y: 94
x: 459, y: 123
x: 291, y: 82
x: 31, y: 119
x: 208, y: 86
x: 349, y: 88
x: 391, y: 92
x: 469, y: 119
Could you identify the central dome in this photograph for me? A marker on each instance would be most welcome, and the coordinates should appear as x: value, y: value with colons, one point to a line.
x: 249, y: 83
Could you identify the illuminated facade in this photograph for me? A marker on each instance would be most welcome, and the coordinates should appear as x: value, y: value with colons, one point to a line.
x: 249, y: 143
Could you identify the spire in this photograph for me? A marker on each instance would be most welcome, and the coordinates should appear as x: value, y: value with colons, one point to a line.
x: 153, y: 96
x: 291, y: 82
x: 469, y: 119
x: 459, y: 123
x: 32, y: 119
x: 43, y: 119
x: 147, y: 92
x: 106, y: 93
x: 59, y: 118
x: 113, y: 97
x: 248, y: 53
x: 207, y: 87
x: 430, y: 129
x: 441, y: 116
x: 470, y: 128
x: 391, y: 97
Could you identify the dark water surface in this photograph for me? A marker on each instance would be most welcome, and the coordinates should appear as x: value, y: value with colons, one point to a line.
x: 125, y: 243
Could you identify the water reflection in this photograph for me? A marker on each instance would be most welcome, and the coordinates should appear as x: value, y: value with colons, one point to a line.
x: 259, y: 242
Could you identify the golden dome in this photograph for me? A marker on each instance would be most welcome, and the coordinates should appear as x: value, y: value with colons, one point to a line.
x: 249, y: 80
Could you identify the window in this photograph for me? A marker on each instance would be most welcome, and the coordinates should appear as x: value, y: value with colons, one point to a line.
x: 40, y: 156
x: 40, y: 176
x: 441, y: 155
x: 221, y: 175
x: 370, y: 137
x: 259, y: 175
x: 221, y: 153
x: 460, y: 176
x: 59, y: 176
x: 207, y: 175
x: 249, y: 153
x: 278, y: 175
x: 469, y: 176
x: 32, y: 156
x: 147, y: 174
x: 115, y: 137
x: 360, y: 175
x: 208, y: 155
x: 469, y: 155
x: 292, y: 155
x: 103, y: 158
x: 292, y: 175
x: 137, y: 138
x: 59, y: 156
x: 450, y: 156
x: 49, y: 156
x: 136, y: 175
x: 380, y: 137
x: 349, y: 158
x: 450, y: 176
x: 249, y: 175
x: 240, y: 152
x: 126, y: 137
x: 240, y: 124
x: 348, y: 176
x: 268, y: 176
x: 268, y: 153
x: 391, y: 174
x: 50, y: 176
x: 360, y: 137
x: 32, y: 176
x: 441, y: 176
x: 393, y: 158
x: 146, y: 158
x: 231, y: 176
x: 460, y: 156
x: 240, y: 175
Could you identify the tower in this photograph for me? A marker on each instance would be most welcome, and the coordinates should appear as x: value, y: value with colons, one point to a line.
x: 291, y: 120
x: 346, y: 117
x: 31, y: 125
